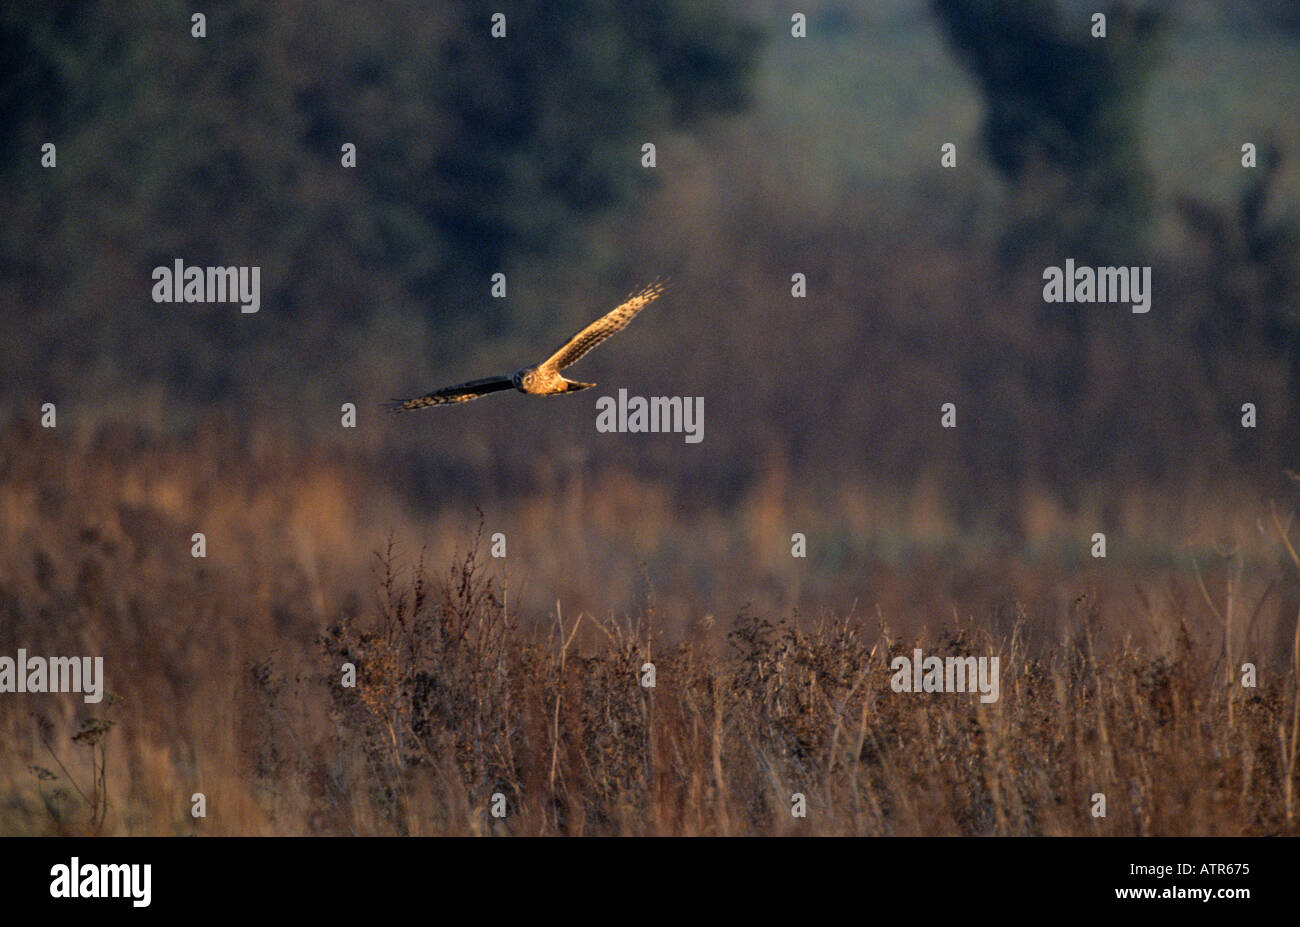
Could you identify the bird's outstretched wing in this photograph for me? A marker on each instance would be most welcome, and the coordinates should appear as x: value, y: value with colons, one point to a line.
x: 461, y: 392
x: 613, y: 321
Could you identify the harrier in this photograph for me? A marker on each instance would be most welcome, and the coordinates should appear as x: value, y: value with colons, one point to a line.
x: 545, y: 378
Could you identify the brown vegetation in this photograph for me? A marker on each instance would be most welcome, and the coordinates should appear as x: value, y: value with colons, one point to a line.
x: 470, y: 684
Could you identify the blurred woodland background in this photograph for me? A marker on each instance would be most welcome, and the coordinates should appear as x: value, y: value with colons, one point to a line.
x: 522, y: 156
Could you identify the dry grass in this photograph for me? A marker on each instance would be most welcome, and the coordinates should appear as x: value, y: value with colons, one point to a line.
x: 454, y: 705
x: 1116, y: 677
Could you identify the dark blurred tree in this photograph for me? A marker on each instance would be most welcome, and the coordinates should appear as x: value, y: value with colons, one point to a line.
x: 1061, y: 117
x: 1250, y: 253
x: 547, y: 125
x: 474, y: 152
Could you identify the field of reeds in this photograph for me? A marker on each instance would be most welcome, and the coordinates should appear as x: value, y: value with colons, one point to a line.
x: 486, y: 683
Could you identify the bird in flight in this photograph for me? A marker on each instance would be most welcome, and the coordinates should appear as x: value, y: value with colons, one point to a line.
x: 543, y: 379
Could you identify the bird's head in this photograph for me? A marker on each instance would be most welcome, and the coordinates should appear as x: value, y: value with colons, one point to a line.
x: 522, y: 378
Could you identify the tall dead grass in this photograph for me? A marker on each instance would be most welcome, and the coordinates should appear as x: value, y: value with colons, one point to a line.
x: 1119, y: 677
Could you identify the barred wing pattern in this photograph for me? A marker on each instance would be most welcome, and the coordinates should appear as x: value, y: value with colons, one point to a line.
x: 613, y: 321
x: 461, y: 392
